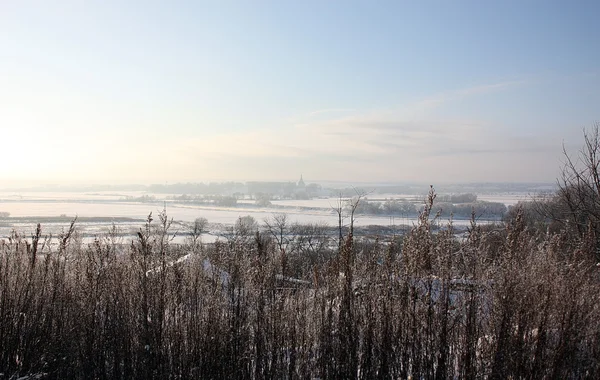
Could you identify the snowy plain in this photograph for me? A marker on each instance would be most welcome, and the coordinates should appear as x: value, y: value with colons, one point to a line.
x: 25, y: 207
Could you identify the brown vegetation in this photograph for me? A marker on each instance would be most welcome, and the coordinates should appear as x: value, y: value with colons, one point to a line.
x: 503, y: 303
x: 509, y: 301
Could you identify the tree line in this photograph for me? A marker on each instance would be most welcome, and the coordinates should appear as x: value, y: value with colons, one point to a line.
x: 393, y: 207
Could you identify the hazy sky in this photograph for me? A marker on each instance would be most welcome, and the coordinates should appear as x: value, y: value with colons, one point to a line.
x: 148, y: 91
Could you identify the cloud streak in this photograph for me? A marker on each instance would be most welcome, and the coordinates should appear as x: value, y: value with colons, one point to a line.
x: 389, y: 144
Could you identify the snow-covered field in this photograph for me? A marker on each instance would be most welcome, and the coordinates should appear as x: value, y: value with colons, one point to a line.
x: 111, y: 205
x: 510, y: 199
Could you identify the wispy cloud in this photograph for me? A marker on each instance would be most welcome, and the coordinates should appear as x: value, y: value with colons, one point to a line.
x: 376, y: 142
x: 330, y: 111
x: 370, y: 133
x: 439, y: 99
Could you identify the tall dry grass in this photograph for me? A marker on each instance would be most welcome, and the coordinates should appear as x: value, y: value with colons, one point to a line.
x: 501, y: 302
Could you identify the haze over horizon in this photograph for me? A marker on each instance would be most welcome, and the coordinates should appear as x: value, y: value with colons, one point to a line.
x: 428, y: 92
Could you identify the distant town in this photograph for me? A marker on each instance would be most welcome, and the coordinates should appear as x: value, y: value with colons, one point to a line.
x: 298, y: 189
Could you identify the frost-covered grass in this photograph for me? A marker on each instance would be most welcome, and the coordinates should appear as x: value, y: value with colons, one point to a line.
x: 504, y: 302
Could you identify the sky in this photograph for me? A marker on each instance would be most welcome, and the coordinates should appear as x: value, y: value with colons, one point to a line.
x: 364, y: 91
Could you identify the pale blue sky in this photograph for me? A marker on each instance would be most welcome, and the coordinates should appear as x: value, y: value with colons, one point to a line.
x: 149, y: 91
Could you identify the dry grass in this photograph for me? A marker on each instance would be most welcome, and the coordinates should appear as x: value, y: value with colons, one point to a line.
x: 509, y: 303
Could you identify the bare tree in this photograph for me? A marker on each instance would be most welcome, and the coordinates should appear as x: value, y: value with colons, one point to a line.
x: 243, y: 230
x: 278, y: 227
x: 576, y: 205
x: 309, y: 247
x: 311, y: 238
x: 338, y: 208
x: 197, y: 229
x: 351, y: 206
